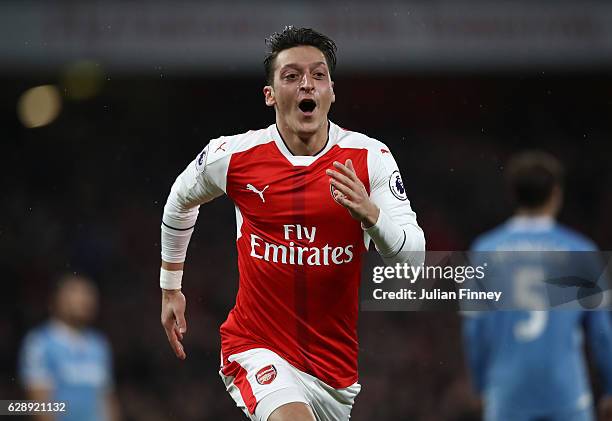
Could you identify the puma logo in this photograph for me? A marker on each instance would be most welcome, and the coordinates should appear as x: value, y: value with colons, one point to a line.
x: 260, y: 193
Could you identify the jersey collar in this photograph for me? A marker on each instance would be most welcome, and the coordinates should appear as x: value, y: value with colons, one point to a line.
x: 531, y: 223
x: 304, y: 160
x: 67, y: 335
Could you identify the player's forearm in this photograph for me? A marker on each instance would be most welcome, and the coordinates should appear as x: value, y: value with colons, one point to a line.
x: 41, y: 416
x: 177, y: 226
x: 176, y: 230
x: 172, y: 266
x: 190, y: 189
x: 112, y: 407
x: 599, y: 331
x: 371, y: 217
x: 397, y: 243
x: 474, y: 349
x: 41, y: 395
x: 174, y: 246
x: 171, y: 276
x: 179, y: 217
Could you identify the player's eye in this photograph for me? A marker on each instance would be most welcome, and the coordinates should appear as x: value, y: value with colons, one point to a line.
x: 290, y: 76
x: 319, y: 75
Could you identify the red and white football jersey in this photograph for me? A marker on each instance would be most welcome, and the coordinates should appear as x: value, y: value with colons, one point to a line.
x: 299, y: 252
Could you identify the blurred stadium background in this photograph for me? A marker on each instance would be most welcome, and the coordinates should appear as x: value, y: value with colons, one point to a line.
x: 104, y: 103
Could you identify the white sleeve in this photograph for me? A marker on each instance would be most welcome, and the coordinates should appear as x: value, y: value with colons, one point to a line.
x: 201, y: 182
x: 396, y: 234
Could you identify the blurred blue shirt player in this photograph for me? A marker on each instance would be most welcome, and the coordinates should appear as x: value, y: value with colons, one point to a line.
x: 66, y: 361
x: 530, y: 365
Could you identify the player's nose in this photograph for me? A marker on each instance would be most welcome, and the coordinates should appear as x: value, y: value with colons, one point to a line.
x: 307, y: 82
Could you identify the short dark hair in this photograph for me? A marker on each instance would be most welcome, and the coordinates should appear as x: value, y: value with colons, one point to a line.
x: 293, y: 37
x: 532, y: 176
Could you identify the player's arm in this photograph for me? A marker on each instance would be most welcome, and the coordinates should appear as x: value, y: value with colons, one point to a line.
x: 34, y: 372
x: 40, y: 394
x: 385, y: 213
x: 112, y: 406
x: 112, y: 410
x: 599, y: 334
x: 476, y: 343
x: 195, y: 185
x: 476, y: 348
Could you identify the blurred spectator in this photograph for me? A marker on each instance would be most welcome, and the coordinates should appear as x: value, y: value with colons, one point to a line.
x: 65, y: 360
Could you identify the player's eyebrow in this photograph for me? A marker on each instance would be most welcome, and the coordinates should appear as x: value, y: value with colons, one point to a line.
x: 298, y: 67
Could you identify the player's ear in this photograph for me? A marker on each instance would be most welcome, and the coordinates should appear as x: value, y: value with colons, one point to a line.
x: 268, y: 92
x: 333, y: 98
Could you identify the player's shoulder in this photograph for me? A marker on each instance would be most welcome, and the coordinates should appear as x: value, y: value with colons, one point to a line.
x: 38, y: 336
x: 573, y: 239
x: 351, y: 139
x: 490, y: 240
x: 555, y: 237
x: 227, y: 145
x: 379, y: 154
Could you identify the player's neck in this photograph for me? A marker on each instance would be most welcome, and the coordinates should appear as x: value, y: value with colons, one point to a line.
x: 304, y: 144
x: 69, y: 328
x: 541, y: 212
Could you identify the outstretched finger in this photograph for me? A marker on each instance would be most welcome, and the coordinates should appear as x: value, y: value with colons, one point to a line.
x: 341, y: 178
x: 342, y: 188
x: 349, y: 165
x: 181, y: 324
x: 175, y: 343
x: 350, y: 173
x: 347, y: 170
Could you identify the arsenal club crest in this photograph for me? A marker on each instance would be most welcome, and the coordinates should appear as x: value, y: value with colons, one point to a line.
x: 266, y: 375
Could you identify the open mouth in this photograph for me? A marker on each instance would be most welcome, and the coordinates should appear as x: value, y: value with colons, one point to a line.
x: 307, y: 106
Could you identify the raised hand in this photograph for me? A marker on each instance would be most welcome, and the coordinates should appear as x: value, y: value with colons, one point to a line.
x: 349, y: 191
